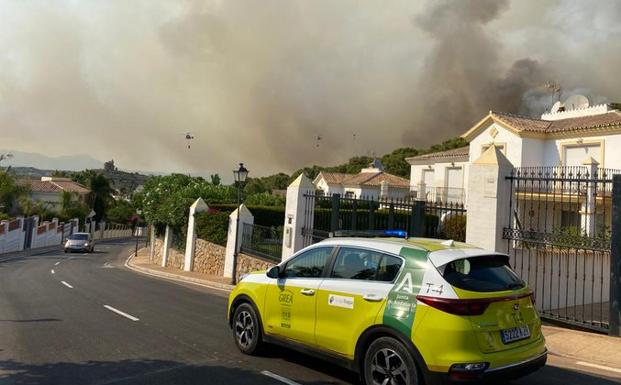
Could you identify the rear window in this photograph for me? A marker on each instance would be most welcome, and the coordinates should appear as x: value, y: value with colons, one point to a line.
x: 484, y: 273
x: 78, y: 237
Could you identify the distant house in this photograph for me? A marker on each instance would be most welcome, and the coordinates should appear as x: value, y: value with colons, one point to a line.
x: 566, y: 137
x: 49, y: 189
x: 372, y: 182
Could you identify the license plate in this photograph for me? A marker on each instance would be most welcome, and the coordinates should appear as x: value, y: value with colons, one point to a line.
x: 515, y: 334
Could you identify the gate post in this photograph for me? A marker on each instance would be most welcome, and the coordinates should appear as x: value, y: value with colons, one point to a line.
x: 299, y: 216
x: 615, y: 260
x: 198, y: 206
x: 488, y: 200
x: 417, y: 222
x: 334, y: 215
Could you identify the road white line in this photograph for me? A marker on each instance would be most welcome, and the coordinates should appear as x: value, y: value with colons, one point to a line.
x: 279, y: 378
x: 66, y: 284
x: 596, y: 366
x: 52, y: 271
x: 117, y: 311
x: 57, y: 263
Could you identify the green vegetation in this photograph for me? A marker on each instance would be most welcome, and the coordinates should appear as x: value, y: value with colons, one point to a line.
x: 454, y: 227
x: 265, y: 199
x: 166, y: 200
x: 212, y: 226
x: 9, y: 192
x: 100, y: 197
x: 394, y: 162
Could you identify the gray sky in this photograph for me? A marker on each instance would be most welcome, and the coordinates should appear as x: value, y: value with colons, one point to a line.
x: 258, y: 81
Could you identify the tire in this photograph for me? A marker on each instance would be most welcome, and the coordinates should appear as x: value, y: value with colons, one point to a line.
x: 247, y: 330
x: 66, y: 251
x: 387, y: 361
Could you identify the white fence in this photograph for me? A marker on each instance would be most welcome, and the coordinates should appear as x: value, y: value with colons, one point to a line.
x: 13, y: 234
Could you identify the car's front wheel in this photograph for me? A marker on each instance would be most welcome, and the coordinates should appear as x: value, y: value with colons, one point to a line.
x: 388, y: 362
x: 246, y: 329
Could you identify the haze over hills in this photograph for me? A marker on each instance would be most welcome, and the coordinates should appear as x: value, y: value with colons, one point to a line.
x: 44, y: 162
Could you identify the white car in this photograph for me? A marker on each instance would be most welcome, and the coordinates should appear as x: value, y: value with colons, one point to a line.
x: 80, y: 242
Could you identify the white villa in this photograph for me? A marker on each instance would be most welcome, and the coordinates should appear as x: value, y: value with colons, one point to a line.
x: 49, y: 190
x: 561, y: 137
x: 372, y: 182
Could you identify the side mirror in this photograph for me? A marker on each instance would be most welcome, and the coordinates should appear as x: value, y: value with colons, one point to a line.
x: 273, y: 272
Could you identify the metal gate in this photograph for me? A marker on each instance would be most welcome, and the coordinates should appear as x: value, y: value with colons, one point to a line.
x: 558, y: 238
x: 326, y: 214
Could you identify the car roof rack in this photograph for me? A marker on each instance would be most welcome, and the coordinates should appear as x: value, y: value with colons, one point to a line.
x: 369, y: 234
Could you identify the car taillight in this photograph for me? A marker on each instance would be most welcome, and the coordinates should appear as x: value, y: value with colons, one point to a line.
x: 468, y: 306
x: 457, y: 306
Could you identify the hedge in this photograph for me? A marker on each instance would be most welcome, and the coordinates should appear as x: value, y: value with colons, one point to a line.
x: 212, y: 226
x: 263, y: 215
x: 454, y: 227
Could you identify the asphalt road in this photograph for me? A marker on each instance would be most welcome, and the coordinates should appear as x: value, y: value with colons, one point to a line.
x: 60, y: 324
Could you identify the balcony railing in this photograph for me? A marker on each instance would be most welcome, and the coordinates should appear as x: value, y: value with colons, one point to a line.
x: 439, y: 194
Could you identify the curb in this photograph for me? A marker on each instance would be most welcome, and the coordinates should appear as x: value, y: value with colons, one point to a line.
x: 176, y: 277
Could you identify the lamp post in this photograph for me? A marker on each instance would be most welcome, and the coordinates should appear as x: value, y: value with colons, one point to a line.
x: 139, y: 212
x: 240, y: 178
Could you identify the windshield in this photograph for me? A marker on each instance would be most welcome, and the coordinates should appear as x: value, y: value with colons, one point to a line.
x: 482, y: 273
x: 78, y: 237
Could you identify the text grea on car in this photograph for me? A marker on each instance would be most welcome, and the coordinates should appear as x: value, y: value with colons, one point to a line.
x: 401, y: 311
x: 79, y: 242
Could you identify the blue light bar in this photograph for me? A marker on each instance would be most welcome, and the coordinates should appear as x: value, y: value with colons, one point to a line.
x: 396, y: 233
x: 370, y: 233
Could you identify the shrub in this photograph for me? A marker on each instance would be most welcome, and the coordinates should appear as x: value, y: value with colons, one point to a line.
x: 212, y: 226
x: 454, y: 227
x: 263, y: 215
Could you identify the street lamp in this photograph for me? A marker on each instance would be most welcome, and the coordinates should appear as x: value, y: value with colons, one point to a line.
x: 139, y: 212
x: 240, y: 178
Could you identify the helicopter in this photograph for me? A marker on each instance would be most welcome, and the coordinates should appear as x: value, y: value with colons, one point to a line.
x: 189, y: 137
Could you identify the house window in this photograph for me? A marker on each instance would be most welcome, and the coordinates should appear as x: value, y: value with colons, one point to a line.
x: 320, y: 193
x: 428, y: 177
x: 349, y: 194
x: 574, y: 155
x: 500, y: 146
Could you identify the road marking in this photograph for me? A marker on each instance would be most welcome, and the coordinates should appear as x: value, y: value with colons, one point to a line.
x: 117, y: 311
x: 66, y: 284
x: 52, y: 271
x: 279, y: 378
x: 57, y: 263
x: 596, y: 366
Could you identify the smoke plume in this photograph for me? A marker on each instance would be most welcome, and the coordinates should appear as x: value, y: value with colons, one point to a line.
x: 280, y: 84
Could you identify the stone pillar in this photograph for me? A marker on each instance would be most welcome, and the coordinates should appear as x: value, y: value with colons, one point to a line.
x: 299, y: 214
x: 233, y: 243
x: 190, y: 242
x: 167, y: 243
x: 587, y: 209
x: 488, y: 200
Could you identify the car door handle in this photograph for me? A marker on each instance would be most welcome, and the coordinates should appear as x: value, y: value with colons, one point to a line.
x: 307, y: 291
x: 372, y: 298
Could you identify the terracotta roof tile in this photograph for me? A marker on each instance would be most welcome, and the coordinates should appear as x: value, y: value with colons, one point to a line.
x: 39, y: 186
x: 523, y: 123
x: 36, y: 185
x: 71, y: 187
x: 460, y: 153
x: 334, y: 177
x: 376, y: 179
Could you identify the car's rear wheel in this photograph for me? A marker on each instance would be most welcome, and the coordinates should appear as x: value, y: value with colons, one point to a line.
x: 388, y: 362
x: 246, y: 329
